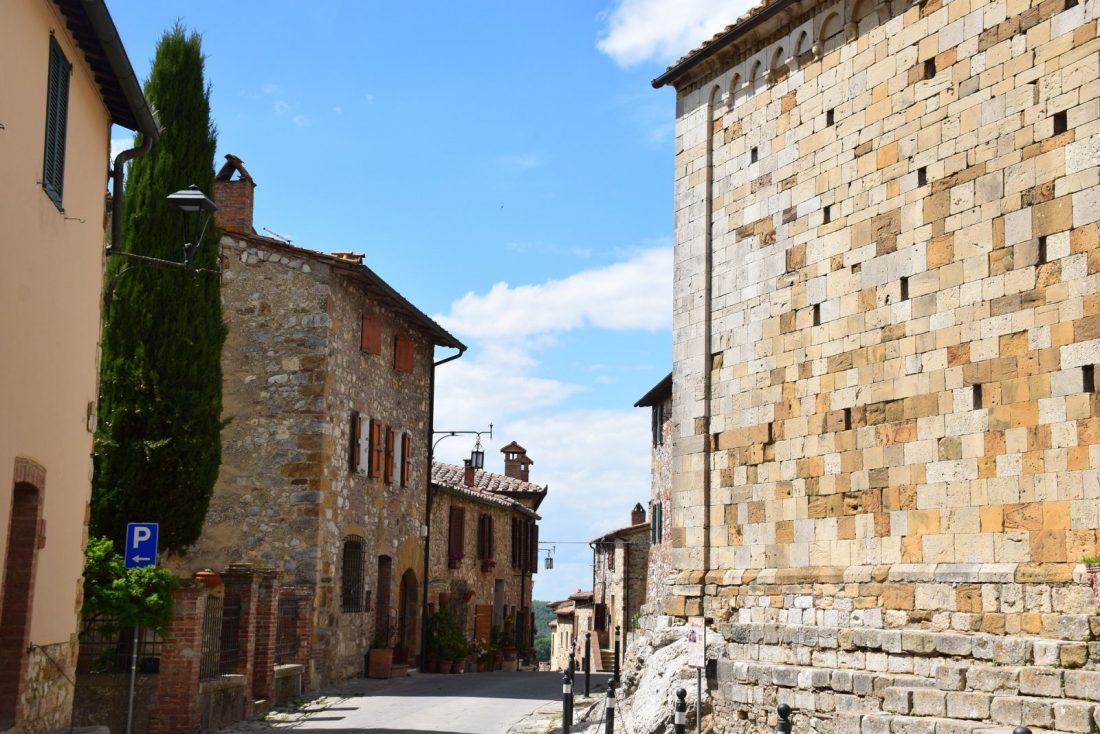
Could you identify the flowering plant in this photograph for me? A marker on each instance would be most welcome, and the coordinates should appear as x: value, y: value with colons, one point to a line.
x: 453, y: 559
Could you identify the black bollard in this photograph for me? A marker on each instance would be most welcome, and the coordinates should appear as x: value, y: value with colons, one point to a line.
x: 680, y: 711
x: 784, y: 725
x: 566, y: 704
x: 616, y: 673
x: 609, y: 713
x: 572, y: 675
x: 587, y: 659
x: 1021, y: 730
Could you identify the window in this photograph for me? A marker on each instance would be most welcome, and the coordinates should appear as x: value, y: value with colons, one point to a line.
x: 609, y: 549
x: 817, y: 314
x: 656, y: 522
x: 377, y: 449
x: 1088, y: 378
x: 847, y: 419
x: 830, y: 118
x: 355, y: 449
x: 485, y: 537
x: 922, y: 176
x: 828, y: 215
x: 977, y: 396
x: 370, y: 335
x: 754, y: 155
x: 455, y: 531
x: 658, y: 418
x: 905, y: 287
x: 57, y: 116
x: 406, y: 459
x: 525, y: 544
x: 929, y: 68
x: 403, y: 354
x: 351, y: 575
x: 1061, y: 122
x: 1042, y: 249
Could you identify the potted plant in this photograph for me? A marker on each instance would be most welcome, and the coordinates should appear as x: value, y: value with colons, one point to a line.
x: 454, y: 559
x: 380, y: 657
x: 1092, y: 569
x: 487, y: 565
x: 447, y: 640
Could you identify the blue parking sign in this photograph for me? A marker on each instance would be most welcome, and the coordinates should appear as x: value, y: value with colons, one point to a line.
x: 141, y: 544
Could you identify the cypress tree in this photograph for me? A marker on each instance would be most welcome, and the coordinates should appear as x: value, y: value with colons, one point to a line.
x: 158, y: 446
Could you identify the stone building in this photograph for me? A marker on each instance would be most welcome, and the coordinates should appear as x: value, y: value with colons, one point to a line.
x: 484, y: 552
x: 620, y: 565
x: 328, y: 387
x: 66, y: 81
x: 574, y: 618
x: 659, y: 402
x: 886, y: 459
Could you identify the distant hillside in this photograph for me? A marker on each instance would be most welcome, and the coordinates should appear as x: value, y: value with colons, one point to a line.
x: 543, y: 615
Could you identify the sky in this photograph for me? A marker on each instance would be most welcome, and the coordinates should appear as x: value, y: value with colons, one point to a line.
x: 507, y: 167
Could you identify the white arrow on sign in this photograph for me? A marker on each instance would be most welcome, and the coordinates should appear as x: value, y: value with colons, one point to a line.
x: 139, y: 559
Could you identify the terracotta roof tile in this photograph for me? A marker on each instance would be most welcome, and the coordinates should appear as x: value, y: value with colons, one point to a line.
x: 486, y: 484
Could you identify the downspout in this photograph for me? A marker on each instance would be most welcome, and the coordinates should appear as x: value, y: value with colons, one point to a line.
x: 117, y: 189
x: 429, y: 497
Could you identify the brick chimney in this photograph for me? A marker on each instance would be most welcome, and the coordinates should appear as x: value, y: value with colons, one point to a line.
x: 234, y: 196
x: 468, y: 473
x: 637, y: 515
x: 516, y: 463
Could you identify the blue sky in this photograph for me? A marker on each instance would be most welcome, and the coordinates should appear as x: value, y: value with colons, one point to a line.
x: 507, y: 167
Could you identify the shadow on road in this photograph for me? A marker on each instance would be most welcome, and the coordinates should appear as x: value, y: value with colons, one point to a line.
x: 523, y: 686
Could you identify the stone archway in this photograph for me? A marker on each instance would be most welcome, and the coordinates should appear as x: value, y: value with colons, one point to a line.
x: 407, y: 615
x: 17, y: 590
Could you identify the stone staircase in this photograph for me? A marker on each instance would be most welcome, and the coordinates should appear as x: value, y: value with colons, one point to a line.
x: 880, y: 681
x: 607, y: 660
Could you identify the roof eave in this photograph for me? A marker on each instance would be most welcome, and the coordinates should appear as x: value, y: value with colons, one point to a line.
x: 658, y: 393
x: 676, y: 72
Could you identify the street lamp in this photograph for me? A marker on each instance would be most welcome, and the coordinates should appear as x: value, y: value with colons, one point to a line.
x: 196, y: 211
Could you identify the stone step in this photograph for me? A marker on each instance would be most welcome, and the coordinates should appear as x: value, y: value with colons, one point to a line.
x: 841, y: 680
x: 1064, y: 714
x: 1025, y: 680
x: 894, y: 724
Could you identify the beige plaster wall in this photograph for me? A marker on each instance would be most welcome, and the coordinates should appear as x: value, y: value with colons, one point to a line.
x: 50, y: 296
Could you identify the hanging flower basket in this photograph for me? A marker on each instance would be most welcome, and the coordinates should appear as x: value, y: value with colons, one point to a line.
x: 488, y: 565
x: 454, y: 559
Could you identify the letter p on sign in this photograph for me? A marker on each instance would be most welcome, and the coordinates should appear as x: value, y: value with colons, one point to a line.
x: 141, y: 544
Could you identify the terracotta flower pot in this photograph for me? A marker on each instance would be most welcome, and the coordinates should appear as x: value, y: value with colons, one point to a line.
x: 208, y: 578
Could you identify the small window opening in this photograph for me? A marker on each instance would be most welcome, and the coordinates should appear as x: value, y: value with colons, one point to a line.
x: 1071, y: 4
x: 929, y: 68
x: 856, y: 267
x: 847, y: 419
x: 830, y: 118
x: 1061, y: 123
x: 922, y: 176
x: 977, y: 392
x: 1088, y: 378
x: 817, y: 314
x: 905, y: 287
x: 754, y: 155
x: 828, y: 214
x: 1042, y: 249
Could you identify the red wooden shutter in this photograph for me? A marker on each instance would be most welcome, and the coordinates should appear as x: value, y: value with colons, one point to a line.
x: 406, y: 459
x: 370, y: 338
x: 534, y: 556
x: 454, y: 535
x: 403, y: 351
x: 377, y: 448
x: 353, y: 454
x: 515, y: 543
x: 390, y: 438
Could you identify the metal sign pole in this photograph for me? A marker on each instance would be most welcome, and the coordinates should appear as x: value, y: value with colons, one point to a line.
x: 133, y: 681
x: 698, y: 701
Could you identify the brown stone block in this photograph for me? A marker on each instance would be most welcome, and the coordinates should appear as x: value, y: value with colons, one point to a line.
x: 1002, y: 368
x: 882, y: 524
x: 1024, y: 414
x: 1025, y: 516
x: 1000, y: 261
x: 912, y: 549
x: 1094, y: 262
x: 1048, y: 274
x: 897, y: 596
x: 994, y: 443
x: 968, y: 598
x: 1061, y: 334
x: 976, y: 373
x: 674, y: 605
x: 1000, y: 418
x: 1084, y: 238
x: 1044, y: 573
x: 1052, y: 216
x: 846, y: 528
x: 1057, y: 141
x: 813, y: 466
x: 1031, y: 623
x: 1078, y: 458
x: 958, y: 354
x: 924, y: 522
x: 1055, y: 515
x: 1048, y: 546
x: 1087, y: 329
x: 993, y: 623
x: 992, y: 518
x: 987, y: 467
x: 941, y: 250
x: 757, y: 511
x: 887, y: 155
x: 734, y: 534
x: 949, y: 448
x: 1080, y: 543
x: 784, y: 532
x: 1013, y: 344
x: 1010, y: 391
x: 796, y: 257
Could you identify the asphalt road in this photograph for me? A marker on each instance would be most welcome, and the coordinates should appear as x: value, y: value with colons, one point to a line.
x: 470, y: 703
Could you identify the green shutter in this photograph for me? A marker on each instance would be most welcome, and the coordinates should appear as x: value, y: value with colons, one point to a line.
x: 57, y: 113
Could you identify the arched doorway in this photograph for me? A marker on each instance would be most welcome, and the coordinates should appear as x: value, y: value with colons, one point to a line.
x: 407, y: 616
x: 16, y: 597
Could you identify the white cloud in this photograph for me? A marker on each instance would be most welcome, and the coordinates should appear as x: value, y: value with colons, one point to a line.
x: 659, y: 30
x: 118, y: 145
x: 619, y: 296
x: 519, y: 163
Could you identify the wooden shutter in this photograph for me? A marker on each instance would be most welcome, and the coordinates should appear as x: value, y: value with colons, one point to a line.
x: 403, y: 354
x: 353, y: 449
x: 363, y: 439
x: 483, y: 622
x: 515, y: 542
x: 57, y: 115
x: 489, y: 536
x: 455, y: 531
x: 533, y: 556
x: 370, y: 338
x: 406, y: 458
x: 390, y: 443
x: 377, y: 448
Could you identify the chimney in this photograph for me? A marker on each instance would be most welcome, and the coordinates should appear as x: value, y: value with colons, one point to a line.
x: 516, y: 463
x: 468, y: 473
x: 234, y: 197
x: 637, y: 515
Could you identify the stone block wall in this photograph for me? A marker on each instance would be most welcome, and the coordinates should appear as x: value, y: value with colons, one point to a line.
x: 660, y: 558
x: 621, y: 585
x: 887, y: 291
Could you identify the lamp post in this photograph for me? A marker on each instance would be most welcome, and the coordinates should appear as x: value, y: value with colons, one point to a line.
x: 196, y: 211
x: 477, y: 461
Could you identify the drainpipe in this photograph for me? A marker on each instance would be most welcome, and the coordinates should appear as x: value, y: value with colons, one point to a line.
x: 117, y: 189
x: 430, y: 496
